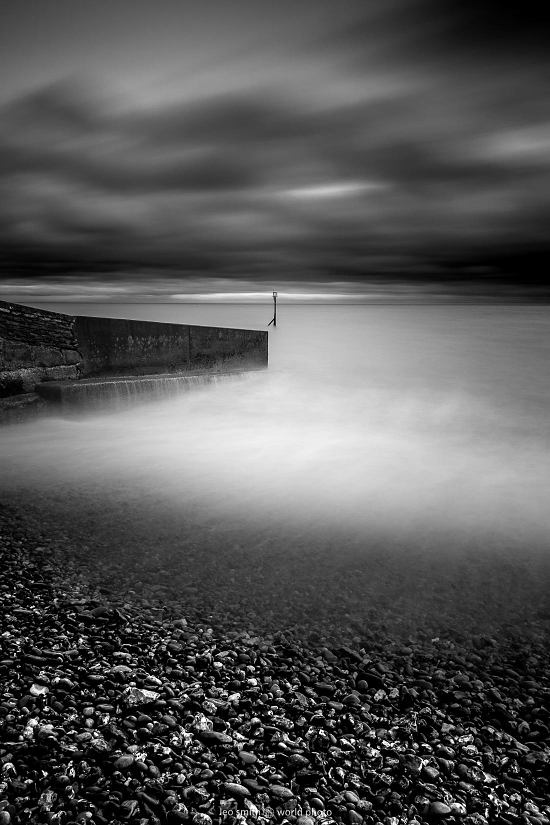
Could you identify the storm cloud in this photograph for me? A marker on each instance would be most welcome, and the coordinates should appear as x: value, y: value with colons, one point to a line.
x: 404, y: 142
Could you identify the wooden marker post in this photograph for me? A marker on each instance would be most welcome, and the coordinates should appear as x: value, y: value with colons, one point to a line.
x: 274, y: 319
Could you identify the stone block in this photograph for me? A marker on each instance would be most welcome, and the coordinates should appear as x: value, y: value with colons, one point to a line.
x: 63, y: 372
x: 71, y: 356
x: 16, y: 354
x: 47, y: 356
x: 17, y: 381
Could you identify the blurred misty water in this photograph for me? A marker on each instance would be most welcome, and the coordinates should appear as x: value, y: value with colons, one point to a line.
x: 393, y: 460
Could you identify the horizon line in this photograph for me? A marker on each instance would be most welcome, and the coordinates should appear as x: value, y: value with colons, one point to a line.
x: 400, y: 302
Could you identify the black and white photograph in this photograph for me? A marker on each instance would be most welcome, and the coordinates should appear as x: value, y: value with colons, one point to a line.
x: 274, y: 412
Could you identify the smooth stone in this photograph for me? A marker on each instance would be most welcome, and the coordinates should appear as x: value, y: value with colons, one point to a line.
x: 440, y: 809
x: 215, y: 736
x: 280, y: 792
x: 253, y: 784
x: 297, y: 761
x: 235, y: 789
x: 247, y: 757
x: 124, y: 762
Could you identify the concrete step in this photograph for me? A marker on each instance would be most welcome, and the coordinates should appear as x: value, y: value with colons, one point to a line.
x: 124, y: 391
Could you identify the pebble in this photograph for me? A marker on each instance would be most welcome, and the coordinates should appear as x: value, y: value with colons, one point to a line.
x: 123, y: 763
x: 280, y: 792
x: 215, y: 736
x: 39, y: 690
x: 247, y: 758
x: 430, y: 773
x: 440, y: 809
x: 235, y: 789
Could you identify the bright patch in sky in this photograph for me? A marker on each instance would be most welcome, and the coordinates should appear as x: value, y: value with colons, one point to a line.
x: 260, y: 297
x: 333, y: 190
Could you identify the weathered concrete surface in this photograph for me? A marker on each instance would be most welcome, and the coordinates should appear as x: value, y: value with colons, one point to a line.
x: 118, y: 346
x: 123, y: 391
x: 242, y: 348
x: 38, y: 346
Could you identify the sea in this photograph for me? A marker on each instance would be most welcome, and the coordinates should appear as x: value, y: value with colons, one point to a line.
x: 391, y: 467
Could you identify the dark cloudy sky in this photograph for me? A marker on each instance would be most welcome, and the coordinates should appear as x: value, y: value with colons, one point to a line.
x: 345, y: 148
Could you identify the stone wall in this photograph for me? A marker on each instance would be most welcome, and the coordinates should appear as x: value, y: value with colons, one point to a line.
x: 37, y: 346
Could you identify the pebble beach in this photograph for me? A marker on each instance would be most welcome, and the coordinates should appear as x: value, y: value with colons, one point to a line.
x: 113, y: 711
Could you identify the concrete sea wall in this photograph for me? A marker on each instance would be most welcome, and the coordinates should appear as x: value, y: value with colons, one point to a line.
x: 38, y: 347
x: 110, y: 346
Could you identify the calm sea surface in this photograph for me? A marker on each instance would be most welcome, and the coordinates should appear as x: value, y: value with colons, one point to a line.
x: 391, y: 465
